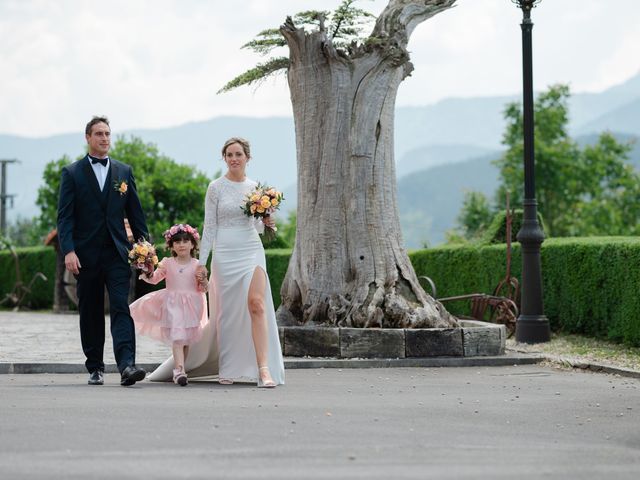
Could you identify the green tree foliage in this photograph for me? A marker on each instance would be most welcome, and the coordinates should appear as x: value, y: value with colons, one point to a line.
x: 48, y: 193
x: 170, y: 193
x: 610, y: 203
x: 286, y: 236
x: 476, y: 214
x: 344, y: 26
x: 580, y: 191
x: 592, y: 190
x: 287, y: 230
x: 26, y: 232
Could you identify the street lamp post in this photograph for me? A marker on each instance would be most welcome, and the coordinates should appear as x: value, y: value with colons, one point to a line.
x: 4, y: 197
x: 532, y: 326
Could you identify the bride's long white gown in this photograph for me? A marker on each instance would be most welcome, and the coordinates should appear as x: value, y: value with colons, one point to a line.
x: 226, y: 348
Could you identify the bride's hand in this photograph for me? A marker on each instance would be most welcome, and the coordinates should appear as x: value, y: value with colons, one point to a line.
x: 269, y: 221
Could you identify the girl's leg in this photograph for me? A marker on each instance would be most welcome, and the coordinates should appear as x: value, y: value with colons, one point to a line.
x: 178, y: 355
x: 259, y: 329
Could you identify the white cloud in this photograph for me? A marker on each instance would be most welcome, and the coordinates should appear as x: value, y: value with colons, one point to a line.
x: 159, y: 63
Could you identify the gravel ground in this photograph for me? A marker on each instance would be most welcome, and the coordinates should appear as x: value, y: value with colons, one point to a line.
x: 573, y: 349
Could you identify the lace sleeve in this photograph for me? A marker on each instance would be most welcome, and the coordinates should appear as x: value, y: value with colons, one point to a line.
x: 210, y: 226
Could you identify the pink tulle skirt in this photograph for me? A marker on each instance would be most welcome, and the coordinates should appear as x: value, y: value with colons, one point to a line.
x: 171, y: 316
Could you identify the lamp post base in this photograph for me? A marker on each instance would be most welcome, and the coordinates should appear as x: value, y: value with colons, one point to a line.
x: 532, y: 329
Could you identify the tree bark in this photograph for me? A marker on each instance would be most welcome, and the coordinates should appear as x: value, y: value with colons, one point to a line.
x: 349, y: 266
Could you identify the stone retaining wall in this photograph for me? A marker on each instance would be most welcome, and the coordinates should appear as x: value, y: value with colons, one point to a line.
x: 472, y: 339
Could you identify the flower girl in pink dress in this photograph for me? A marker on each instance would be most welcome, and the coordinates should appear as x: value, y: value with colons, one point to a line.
x: 177, y: 314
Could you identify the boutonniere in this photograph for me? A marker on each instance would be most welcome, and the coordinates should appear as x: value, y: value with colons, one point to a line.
x: 121, y: 186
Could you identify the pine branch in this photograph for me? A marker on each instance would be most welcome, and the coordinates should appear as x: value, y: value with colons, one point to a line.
x: 311, y: 18
x: 345, y: 27
x: 266, y: 41
x: 348, y: 22
x: 257, y: 74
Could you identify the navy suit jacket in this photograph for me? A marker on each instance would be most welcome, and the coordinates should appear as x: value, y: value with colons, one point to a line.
x: 83, y: 211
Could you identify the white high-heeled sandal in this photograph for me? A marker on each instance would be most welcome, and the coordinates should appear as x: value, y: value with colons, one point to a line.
x: 262, y: 383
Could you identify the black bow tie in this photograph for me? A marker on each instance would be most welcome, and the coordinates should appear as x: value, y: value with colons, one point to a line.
x: 103, y: 161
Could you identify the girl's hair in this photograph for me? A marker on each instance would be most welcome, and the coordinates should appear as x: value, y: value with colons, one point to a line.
x: 240, y: 141
x: 182, y: 231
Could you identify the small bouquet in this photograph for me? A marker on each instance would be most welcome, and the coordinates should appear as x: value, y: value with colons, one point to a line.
x: 143, y: 257
x: 261, y: 202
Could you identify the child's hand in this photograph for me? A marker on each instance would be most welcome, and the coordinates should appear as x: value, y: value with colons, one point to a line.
x: 147, y: 271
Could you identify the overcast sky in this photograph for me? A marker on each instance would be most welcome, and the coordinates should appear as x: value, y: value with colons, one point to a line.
x: 157, y: 63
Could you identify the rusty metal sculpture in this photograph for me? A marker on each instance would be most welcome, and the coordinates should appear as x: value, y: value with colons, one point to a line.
x: 502, y: 305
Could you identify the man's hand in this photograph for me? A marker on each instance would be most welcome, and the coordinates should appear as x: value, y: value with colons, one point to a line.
x: 72, y: 262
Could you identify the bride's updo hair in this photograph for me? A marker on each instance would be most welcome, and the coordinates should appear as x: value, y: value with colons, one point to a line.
x: 240, y: 141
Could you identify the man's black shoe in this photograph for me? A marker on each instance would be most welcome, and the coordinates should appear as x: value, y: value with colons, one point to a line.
x: 131, y: 375
x: 96, y: 378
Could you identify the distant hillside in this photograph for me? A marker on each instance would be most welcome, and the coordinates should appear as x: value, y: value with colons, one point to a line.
x: 586, y: 108
x: 480, y: 122
x: 429, y: 156
x: 624, y: 119
x: 429, y: 201
x: 197, y: 144
x: 451, y: 132
x: 454, y: 121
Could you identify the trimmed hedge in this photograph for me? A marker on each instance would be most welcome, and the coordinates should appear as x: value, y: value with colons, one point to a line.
x: 590, y: 285
x: 277, y: 264
x: 32, y: 260
x: 43, y: 259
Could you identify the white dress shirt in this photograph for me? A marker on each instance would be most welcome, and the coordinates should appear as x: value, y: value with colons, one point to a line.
x: 101, y: 172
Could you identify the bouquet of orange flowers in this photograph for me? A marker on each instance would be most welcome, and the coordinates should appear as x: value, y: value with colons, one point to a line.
x: 143, y: 257
x: 261, y: 202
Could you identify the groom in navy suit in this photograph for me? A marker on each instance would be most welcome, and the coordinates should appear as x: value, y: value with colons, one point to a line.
x: 96, y: 194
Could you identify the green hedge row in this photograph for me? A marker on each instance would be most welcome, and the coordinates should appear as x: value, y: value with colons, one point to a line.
x: 43, y: 259
x: 590, y: 285
x: 277, y: 264
x: 31, y: 261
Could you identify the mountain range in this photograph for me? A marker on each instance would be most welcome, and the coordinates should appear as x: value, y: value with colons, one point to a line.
x: 441, y: 150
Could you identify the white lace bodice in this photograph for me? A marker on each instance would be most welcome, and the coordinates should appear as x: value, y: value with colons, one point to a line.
x: 222, y: 210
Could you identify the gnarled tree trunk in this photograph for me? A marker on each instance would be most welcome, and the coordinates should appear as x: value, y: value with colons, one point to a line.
x: 349, y: 266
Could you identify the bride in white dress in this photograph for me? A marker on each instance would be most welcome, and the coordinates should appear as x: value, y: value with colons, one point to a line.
x: 241, y: 341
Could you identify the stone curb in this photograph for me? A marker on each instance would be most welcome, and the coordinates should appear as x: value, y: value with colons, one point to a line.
x: 302, y: 363
x: 593, y: 367
x: 510, y: 358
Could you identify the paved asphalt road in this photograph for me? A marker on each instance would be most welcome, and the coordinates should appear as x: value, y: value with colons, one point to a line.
x: 518, y: 422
